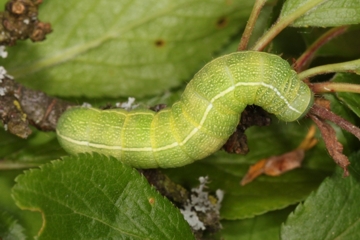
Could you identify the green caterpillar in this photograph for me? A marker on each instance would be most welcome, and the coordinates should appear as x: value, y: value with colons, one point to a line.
x: 197, y: 125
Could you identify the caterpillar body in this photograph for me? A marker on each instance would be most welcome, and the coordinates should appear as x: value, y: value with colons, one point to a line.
x: 197, y: 125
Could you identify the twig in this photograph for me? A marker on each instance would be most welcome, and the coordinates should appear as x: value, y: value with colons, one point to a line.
x: 283, y: 23
x: 326, y: 87
x: 251, y: 116
x: 20, y: 21
x: 251, y: 24
x: 20, y: 107
x: 350, y: 66
x: 341, y: 122
x: 308, y: 55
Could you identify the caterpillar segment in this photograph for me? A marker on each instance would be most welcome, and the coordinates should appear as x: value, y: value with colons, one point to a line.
x: 199, y: 123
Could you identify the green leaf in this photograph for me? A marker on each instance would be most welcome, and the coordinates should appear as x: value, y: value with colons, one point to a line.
x: 329, y: 13
x: 265, y: 193
x: 351, y: 100
x: 266, y: 226
x: 124, y: 48
x: 349, y: 141
x: 332, y: 212
x: 30, y: 222
x: 2, y: 3
x: 9, y: 227
x: 289, y: 42
x: 39, y: 148
x: 94, y: 197
x: 341, y: 47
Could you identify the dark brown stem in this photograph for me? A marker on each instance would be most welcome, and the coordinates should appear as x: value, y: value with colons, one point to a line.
x: 20, y: 107
x: 251, y: 116
x: 174, y: 192
x: 341, y: 122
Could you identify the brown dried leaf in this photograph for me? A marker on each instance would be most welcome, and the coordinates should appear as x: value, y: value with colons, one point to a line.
x: 333, y: 146
x: 277, y: 165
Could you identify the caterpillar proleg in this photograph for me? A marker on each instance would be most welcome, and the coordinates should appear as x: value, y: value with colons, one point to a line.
x: 199, y: 123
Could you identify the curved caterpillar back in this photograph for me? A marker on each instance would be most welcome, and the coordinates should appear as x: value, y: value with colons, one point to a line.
x: 197, y: 125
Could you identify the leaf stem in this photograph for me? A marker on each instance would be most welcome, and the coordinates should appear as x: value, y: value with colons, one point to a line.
x: 283, y: 22
x: 341, y: 122
x: 350, y: 66
x: 327, y: 87
x: 9, y: 165
x: 251, y: 24
x: 308, y: 55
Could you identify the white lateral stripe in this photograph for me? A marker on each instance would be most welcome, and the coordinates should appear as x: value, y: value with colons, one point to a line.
x: 223, y: 93
x: 123, y: 113
x: 193, y: 132
x: 95, y: 145
x: 277, y: 92
x: 175, y: 144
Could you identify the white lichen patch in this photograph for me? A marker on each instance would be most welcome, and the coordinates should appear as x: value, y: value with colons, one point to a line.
x: 3, y: 53
x: 2, y: 73
x: 2, y: 91
x: 220, y: 197
x: 200, y: 202
x: 129, y: 105
x: 86, y: 105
